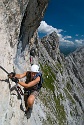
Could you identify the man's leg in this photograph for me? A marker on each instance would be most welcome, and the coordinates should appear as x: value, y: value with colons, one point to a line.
x: 30, y: 101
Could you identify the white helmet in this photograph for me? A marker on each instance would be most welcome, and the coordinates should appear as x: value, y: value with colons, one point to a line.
x: 34, y: 68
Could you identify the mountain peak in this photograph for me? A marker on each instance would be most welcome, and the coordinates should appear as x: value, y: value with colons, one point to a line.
x: 51, y: 43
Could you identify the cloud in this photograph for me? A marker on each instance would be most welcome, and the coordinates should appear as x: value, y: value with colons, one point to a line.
x: 64, y: 40
x: 67, y: 37
x: 76, y: 35
x: 79, y: 41
x: 47, y: 29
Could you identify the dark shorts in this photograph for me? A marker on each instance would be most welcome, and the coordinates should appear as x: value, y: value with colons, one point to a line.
x: 35, y: 93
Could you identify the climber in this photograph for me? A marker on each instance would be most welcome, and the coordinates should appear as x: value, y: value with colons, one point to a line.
x: 31, y: 86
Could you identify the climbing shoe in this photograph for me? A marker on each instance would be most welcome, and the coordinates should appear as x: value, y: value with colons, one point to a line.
x: 28, y: 112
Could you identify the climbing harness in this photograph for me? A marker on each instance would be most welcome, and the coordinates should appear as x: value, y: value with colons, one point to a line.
x: 19, y: 90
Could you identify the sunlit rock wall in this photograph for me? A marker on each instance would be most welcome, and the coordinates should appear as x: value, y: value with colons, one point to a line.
x: 19, y: 20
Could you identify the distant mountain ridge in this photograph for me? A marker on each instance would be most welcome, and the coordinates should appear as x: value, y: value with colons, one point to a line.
x: 66, y: 50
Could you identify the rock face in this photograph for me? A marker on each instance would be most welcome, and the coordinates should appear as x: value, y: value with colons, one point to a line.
x: 63, y: 85
x: 60, y: 101
x: 75, y: 63
x: 19, y: 20
x: 32, y: 17
x: 51, y: 43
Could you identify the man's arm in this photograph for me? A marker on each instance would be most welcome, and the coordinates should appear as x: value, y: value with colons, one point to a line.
x: 30, y: 84
x: 19, y: 76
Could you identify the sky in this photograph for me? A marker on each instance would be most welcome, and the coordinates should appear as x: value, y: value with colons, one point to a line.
x: 66, y: 17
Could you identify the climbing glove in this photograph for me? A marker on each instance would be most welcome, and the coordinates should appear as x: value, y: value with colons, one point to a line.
x: 14, y: 79
x: 12, y: 74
